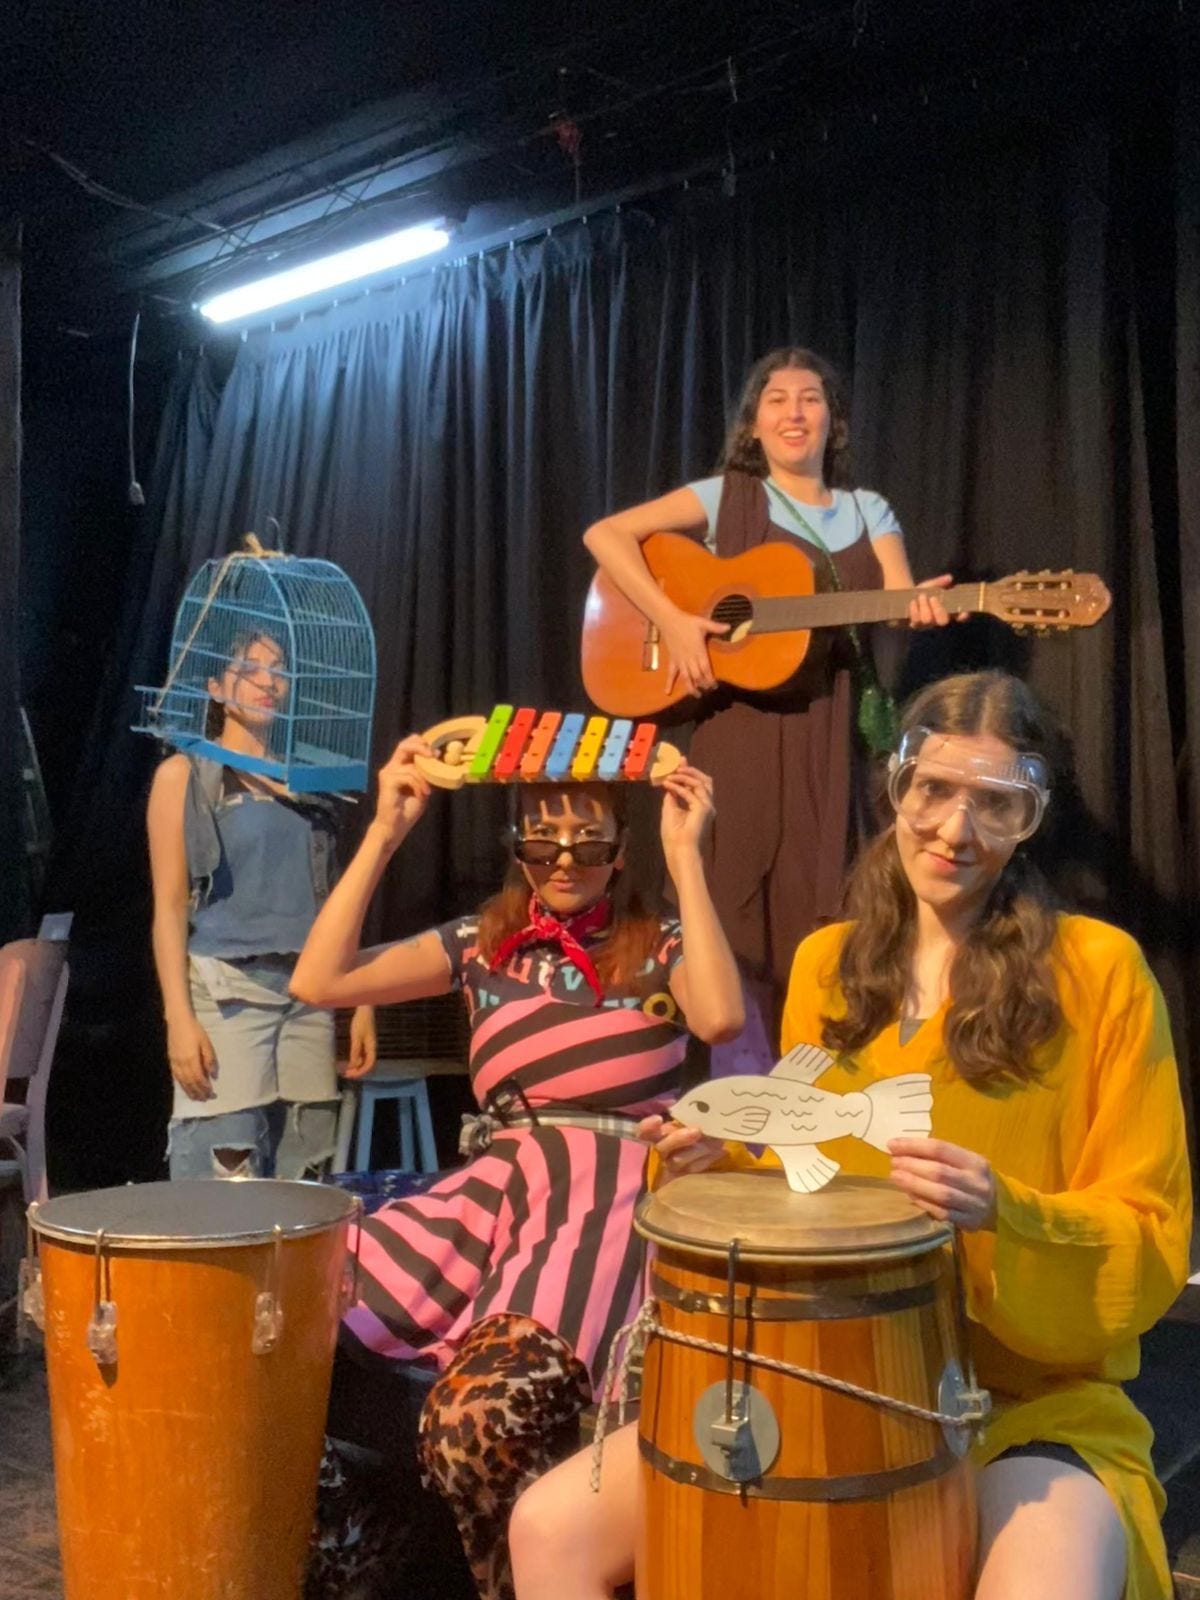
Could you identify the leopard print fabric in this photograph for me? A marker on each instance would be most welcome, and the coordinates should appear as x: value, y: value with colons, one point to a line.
x: 354, y: 1538
x: 505, y: 1411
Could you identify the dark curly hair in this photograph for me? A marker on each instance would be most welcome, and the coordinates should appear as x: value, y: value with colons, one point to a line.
x: 744, y: 453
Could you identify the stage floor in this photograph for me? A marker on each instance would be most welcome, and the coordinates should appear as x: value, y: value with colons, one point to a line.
x: 28, y: 1535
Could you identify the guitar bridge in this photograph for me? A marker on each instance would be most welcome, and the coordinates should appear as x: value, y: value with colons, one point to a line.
x: 650, y: 648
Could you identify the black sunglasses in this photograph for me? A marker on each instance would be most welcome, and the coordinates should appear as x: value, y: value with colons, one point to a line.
x: 583, y: 852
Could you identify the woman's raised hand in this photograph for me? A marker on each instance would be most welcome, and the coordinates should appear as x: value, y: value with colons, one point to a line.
x: 403, y: 790
x: 687, y: 810
x: 679, y: 1149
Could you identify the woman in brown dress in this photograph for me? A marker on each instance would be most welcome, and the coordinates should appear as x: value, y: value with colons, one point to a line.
x: 785, y: 765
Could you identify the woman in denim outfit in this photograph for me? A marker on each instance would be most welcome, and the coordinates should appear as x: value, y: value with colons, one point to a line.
x: 240, y: 869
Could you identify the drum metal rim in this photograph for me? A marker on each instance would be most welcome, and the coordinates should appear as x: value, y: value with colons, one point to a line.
x: 795, y: 1307
x: 878, y: 1485
x: 773, y: 1255
x: 114, y: 1239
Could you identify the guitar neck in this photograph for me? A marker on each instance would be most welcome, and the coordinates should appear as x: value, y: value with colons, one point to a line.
x: 839, y: 608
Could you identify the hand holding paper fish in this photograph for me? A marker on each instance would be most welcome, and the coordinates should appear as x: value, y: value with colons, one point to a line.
x: 784, y: 1111
x: 679, y: 1149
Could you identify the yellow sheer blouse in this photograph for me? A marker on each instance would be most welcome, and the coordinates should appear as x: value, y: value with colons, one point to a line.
x: 1094, y: 1205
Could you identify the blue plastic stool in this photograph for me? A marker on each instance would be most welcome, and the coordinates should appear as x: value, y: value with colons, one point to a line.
x: 401, y: 1081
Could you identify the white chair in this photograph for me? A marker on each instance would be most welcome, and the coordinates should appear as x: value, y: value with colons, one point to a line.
x: 33, y: 989
x: 13, y: 1118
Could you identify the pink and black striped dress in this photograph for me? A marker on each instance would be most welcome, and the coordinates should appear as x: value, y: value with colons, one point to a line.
x: 539, y: 1224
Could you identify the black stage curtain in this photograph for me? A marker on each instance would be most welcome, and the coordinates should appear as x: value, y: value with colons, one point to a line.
x: 15, y: 908
x: 110, y: 1095
x: 1015, y: 336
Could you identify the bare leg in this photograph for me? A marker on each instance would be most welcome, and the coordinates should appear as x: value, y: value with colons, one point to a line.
x: 1047, y: 1530
x: 567, y: 1541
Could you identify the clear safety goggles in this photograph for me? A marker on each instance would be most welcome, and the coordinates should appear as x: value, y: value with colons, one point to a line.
x: 929, y: 779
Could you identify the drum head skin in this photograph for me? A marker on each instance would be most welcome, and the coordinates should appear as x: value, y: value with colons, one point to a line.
x: 850, y: 1217
x: 193, y: 1213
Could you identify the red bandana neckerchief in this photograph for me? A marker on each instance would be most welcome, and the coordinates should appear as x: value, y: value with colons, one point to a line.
x: 545, y: 928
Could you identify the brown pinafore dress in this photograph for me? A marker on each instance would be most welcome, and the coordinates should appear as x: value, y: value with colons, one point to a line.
x: 788, y: 772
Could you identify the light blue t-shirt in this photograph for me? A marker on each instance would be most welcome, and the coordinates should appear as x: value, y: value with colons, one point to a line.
x: 838, y: 524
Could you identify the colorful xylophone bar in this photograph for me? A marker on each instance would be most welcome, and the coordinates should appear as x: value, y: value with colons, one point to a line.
x: 517, y: 745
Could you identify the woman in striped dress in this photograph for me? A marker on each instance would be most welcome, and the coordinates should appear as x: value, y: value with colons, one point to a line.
x: 513, y: 1273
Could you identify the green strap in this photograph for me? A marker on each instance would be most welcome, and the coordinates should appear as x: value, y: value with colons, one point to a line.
x: 877, y: 719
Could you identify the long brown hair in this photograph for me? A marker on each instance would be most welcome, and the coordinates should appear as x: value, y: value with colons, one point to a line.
x: 1003, y: 998
x: 744, y: 453
x: 635, y: 923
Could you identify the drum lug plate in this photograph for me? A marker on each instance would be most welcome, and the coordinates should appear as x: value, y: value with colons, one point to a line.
x: 101, y: 1333
x: 31, y: 1300
x: 268, y: 1323
x: 956, y: 1397
x: 743, y: 1446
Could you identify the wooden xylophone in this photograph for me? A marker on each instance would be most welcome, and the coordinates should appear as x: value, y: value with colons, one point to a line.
x: 517, y: 745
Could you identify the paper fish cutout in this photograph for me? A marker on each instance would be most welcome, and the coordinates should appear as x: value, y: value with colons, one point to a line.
x: 786, y: 1113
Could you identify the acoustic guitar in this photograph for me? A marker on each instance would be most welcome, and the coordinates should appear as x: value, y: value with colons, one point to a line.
x: 768, y: 597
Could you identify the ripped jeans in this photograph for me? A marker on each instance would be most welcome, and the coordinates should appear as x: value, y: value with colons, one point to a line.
x: 285, y: 1140
x: 274, y: 1106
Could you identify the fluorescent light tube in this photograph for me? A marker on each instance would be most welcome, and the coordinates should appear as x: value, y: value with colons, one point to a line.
x: 298, y: 283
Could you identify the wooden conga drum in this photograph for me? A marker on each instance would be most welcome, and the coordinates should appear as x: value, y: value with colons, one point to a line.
x: 761, y: 1481
x: 190, y: 1331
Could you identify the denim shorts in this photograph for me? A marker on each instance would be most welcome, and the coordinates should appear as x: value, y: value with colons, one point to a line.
x: 268, y: 1046
x: 284, y: 1140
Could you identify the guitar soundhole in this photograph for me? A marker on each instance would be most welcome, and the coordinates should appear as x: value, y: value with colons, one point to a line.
x: 735, y: 609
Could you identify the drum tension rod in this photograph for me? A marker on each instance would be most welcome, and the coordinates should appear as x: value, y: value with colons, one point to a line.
x: 31, y: 1300
x: 268, y: 1313
x: 735, y: 1245
x: 970, y: 1397
x: 732, y: 1434
x: 101, y: 1332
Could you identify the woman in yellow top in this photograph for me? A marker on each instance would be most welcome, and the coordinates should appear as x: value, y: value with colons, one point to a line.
x: 1059, y: 1152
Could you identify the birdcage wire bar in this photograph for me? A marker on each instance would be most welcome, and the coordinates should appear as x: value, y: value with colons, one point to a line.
x: 322, y: 673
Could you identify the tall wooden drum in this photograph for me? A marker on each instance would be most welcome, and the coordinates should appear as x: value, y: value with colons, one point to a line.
x: 190, y: 1330
x: 762, y: 1475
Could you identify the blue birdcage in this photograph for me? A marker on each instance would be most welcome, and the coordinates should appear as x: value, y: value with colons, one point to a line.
x: 284, y: 644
